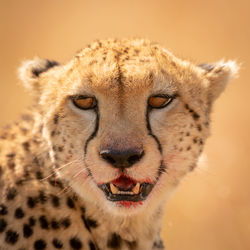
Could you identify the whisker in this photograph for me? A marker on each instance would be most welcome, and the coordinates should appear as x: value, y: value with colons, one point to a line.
x: 75, y: 175
x: 63, y: 166
x: 64, y: 190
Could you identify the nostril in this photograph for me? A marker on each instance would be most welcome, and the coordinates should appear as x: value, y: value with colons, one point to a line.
x: 121, y: 159
x: 108, y: 158
x: 134, y: 158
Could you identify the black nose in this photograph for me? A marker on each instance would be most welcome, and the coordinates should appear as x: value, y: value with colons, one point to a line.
x: 122, y: 159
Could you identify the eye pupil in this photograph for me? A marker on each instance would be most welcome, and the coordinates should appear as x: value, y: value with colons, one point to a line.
x: 159, y: 101
x: 83, y: 102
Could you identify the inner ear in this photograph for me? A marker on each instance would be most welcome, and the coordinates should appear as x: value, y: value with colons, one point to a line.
x: 36, y: 71
x: 218, y: 75
x: 207, y: 66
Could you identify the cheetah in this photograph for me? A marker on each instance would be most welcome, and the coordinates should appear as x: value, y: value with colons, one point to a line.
x: 110, y: 134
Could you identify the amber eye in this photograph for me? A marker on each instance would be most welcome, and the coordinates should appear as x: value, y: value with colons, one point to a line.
x: 159, y: 101
x: 84, y: 102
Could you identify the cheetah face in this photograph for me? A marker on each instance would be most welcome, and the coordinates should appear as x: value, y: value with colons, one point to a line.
x: 125, y: 120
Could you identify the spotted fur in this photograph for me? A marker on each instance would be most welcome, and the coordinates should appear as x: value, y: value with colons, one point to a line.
x: 50, y: 164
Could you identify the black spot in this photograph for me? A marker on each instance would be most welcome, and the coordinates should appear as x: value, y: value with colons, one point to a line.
x: 56, y: 117
x: 66, y: 222
x: 199, y: 127
x: 201, y: 142
x: 195, y: 116
x: 92, y: 223
x: 55, y: 201
x: 32, y: 221
x: 40, y: 244
x: 53, y: 133
x: 60, y: 148
x: 11, y: 164
x: 188, y: 148
x: 20, y: 182
x: 44, y: 222
x: 158, y: 244
x: 3, y: 210
x: 11, y: 193
x: 31, y: 202
x: 3, y: 225
x: 89, y: 223
x: 70, y: 203
x: 187, y: 134
x: 57, y: 243
x: 42, y: 197
x: 92, y: 245
x: 39, y: 175
x: 27, y: 231
x: 191, y: 168
x: 75, y: 243
x: 114, y: 241
x: 195, y: 140
x: 55, y: 224
x: 19, y: 213
x: 11, y: 237
x: 11, y: 155
x: 26, y: 146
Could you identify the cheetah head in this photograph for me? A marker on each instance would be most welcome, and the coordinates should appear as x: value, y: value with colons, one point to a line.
x: 125, y: 120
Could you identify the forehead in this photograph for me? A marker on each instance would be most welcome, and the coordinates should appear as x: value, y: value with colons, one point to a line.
x: 129, y: 65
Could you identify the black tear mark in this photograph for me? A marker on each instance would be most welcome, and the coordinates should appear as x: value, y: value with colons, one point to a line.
x: 150, y: 131
x: 49, y: 64
x: 92, y: 136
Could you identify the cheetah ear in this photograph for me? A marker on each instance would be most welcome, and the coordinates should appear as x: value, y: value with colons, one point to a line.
x: 218, y: 75
x: 30, y: 70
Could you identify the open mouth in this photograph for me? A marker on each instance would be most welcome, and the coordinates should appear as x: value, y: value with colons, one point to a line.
x: 126, y: 189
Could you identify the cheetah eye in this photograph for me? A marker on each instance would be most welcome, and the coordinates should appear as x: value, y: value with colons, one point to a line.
x: 84, y: 102
x: 159, y: 101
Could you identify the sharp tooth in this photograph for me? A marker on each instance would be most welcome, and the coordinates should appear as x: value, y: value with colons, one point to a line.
x: 113, y: 189
x: 136, y: 188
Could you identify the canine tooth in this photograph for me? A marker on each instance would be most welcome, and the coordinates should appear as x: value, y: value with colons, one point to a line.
x: 114, y: 189
x: 136, y: 188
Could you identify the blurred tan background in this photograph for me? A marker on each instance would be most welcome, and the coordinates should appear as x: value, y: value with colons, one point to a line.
x: 211, y: 208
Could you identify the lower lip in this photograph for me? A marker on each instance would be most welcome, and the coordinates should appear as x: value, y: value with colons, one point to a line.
x: 144, y: 192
